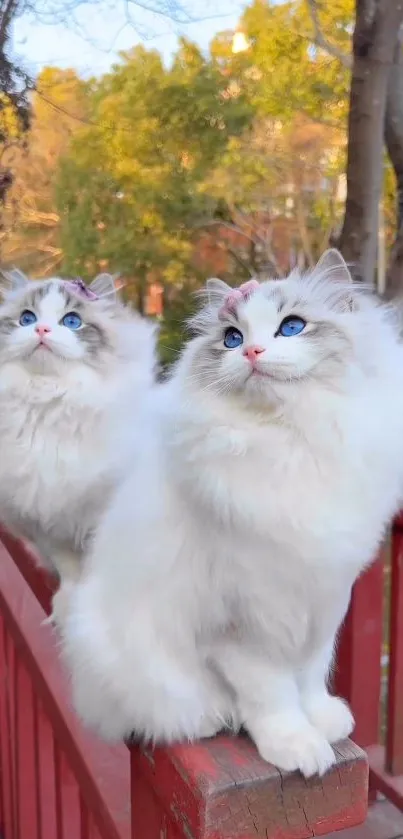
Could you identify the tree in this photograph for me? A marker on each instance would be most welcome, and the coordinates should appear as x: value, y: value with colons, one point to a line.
x: 375, y: 113
x: 15, y: 81
x: 14, y: 105
x: 394, y: 145
x: 279, y: 184
x: 129, y: 190
x: 374, y: 42
x: 276, y: 190
x: 31, y: 235
x: 283, y: 72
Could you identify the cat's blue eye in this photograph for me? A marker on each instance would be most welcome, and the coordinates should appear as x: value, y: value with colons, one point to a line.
x: 27, y: 318
x: 72, y: 320
x: 232, y: 338
x: 291, y: 326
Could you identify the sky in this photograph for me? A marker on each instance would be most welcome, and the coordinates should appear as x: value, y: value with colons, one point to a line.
x: 90, y: 42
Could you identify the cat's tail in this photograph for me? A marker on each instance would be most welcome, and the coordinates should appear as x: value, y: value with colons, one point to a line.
x: 124, y: 677
x: 138, y: 340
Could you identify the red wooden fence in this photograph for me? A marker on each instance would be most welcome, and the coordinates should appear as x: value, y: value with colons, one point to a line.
x: 377, y: 602
x: 57, y: 781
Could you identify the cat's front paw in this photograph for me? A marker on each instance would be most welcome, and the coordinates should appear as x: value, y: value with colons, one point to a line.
x: 330, y: 716
x: 291, y: 743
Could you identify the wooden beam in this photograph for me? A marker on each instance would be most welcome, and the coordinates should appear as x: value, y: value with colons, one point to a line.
x: 222, y: 789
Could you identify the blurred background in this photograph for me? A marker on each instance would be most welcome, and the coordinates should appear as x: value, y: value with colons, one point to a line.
x: 168, y: 141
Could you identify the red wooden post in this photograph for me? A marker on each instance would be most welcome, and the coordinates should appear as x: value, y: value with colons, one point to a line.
x: 222, y: 789
x: 358, y: 672
x: 394, y: 738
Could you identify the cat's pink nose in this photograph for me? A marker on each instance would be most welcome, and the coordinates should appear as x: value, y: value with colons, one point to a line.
x: 42, y: 330
x: 252, y: 352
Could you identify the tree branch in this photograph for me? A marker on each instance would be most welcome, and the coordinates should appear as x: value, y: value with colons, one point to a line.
x: 322, y: 42
x: 228, y: 226
x: 337, y: 126
x: 237, y: 258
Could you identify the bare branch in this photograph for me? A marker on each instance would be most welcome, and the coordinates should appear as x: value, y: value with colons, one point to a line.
x: 170, y: 9
x: 237, y: 257
x: 229, y: 226
x: 322, y: 42
x: 337, y: 126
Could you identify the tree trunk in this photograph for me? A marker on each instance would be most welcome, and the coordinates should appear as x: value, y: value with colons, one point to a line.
x: 374, y: 39
x: 394, y: 145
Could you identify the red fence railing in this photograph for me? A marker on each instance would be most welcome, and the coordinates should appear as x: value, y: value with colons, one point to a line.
x: 372, y: 638
x: 57, y: 781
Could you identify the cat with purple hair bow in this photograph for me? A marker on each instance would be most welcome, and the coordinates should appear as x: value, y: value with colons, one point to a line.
x: 74, y: 364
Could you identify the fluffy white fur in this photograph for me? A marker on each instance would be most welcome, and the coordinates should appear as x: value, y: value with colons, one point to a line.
x: 256, y: 498
x: 66, y: 408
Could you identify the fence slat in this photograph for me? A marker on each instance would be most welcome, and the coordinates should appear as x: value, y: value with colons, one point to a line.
x: 70, y: 797
x: 10, y: 732
x: 46, y: 781
x: 58, y: 790
x: 84, y: 820
x: 37, y: 771
x: 6, y: 766
x: 389, y: 785
x: 16, y: 738
x: 27, y: 824
x: 1, y: 736
x: 394, y: 738
x: 148, y: 817
x: 358, y: 671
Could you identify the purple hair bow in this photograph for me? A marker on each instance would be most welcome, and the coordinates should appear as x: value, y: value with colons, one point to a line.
x: 80, y: 288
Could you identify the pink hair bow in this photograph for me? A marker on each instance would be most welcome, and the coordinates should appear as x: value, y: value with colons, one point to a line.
x: 237, y: 296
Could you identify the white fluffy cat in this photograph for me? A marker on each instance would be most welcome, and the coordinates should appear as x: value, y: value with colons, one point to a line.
x: 267, y: 470
x: 73, y: 364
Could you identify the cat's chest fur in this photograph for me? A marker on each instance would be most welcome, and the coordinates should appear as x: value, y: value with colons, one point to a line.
x: 52, y: 443
x: 310, y: 490
x: 283, y: 520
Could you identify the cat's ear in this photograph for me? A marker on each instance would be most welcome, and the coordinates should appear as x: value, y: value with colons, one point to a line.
x: 104, y: 285
x: 15, y: 279
x: 332, y: 266
x: 217, y: 290
x: 333, y: 269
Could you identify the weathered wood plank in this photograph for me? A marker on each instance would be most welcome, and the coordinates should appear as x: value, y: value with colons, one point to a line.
x: 222, y: 789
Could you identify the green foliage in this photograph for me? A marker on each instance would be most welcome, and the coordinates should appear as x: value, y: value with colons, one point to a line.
x: 158, y: 158
x: 129, y: 190
x: 283, y: 73
x: 180, y: 304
